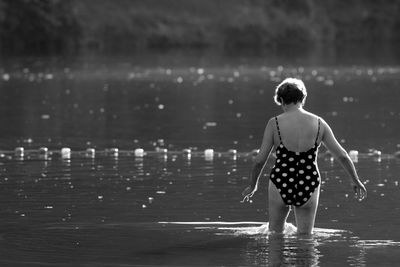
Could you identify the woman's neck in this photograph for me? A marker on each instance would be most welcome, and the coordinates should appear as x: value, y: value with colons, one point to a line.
x: 292, y: 107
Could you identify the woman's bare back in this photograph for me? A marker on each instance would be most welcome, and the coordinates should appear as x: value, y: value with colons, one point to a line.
x: 298, y: 130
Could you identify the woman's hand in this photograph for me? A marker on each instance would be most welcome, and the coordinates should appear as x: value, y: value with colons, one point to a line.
x: 359, y: 190
x: 248, y: 193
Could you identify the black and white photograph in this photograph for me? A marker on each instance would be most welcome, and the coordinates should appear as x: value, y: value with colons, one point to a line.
x: 199, y: 133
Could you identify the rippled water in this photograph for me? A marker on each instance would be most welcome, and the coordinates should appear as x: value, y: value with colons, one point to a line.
x: 171, y: 209
x: 118, y: 103
x: 129, y: 211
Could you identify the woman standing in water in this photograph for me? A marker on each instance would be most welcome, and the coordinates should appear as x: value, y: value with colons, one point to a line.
x: 295, y: 179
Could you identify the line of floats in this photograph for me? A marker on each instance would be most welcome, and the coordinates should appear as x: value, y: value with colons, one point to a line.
x: 66, y: 153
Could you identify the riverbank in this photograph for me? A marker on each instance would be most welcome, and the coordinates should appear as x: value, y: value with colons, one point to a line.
x: 121, y: 25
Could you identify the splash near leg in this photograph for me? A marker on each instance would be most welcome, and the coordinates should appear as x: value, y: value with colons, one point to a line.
x: 237, y: 228
x: 263, y: 229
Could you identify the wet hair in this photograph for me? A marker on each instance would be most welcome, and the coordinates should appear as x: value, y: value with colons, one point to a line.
x: 290, y: 90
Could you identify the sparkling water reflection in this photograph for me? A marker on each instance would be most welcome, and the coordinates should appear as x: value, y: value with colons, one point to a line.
x: 83, y: 104
x: 104, y: 209
x: 121, y: 211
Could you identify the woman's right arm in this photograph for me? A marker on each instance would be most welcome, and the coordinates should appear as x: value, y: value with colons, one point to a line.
x: 342, y: 156
x: 260, y: 160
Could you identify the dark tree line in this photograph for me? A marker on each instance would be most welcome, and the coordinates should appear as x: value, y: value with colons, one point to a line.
x: 69, y: 26
x: 38, y: 26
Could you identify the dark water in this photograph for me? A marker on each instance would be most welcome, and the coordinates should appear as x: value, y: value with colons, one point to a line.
x: 177, y: 210
x: 121, y: 212
x: 115, y: 102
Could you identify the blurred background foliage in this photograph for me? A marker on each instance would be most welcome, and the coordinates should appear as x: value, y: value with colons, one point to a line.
x: 71, y: 26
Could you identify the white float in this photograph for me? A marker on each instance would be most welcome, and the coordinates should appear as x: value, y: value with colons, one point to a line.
x: 139, y: 152
x: 353, y: 155
x: 209, y: 154
x: 65, y: 153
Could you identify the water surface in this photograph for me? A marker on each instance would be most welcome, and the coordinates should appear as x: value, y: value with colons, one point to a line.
x: 173, y: 209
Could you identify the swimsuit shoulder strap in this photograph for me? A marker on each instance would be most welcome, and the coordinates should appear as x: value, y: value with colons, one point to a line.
x: 277, y: 127
x: 319, y: 125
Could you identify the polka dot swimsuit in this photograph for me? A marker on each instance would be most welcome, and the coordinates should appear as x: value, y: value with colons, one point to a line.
x: 295, y: 174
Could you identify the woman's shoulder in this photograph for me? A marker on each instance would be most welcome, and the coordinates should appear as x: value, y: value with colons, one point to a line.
x: 315, y: 117
x: 310, y: 114
x: 272, y: 121
x: 321, y: 122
